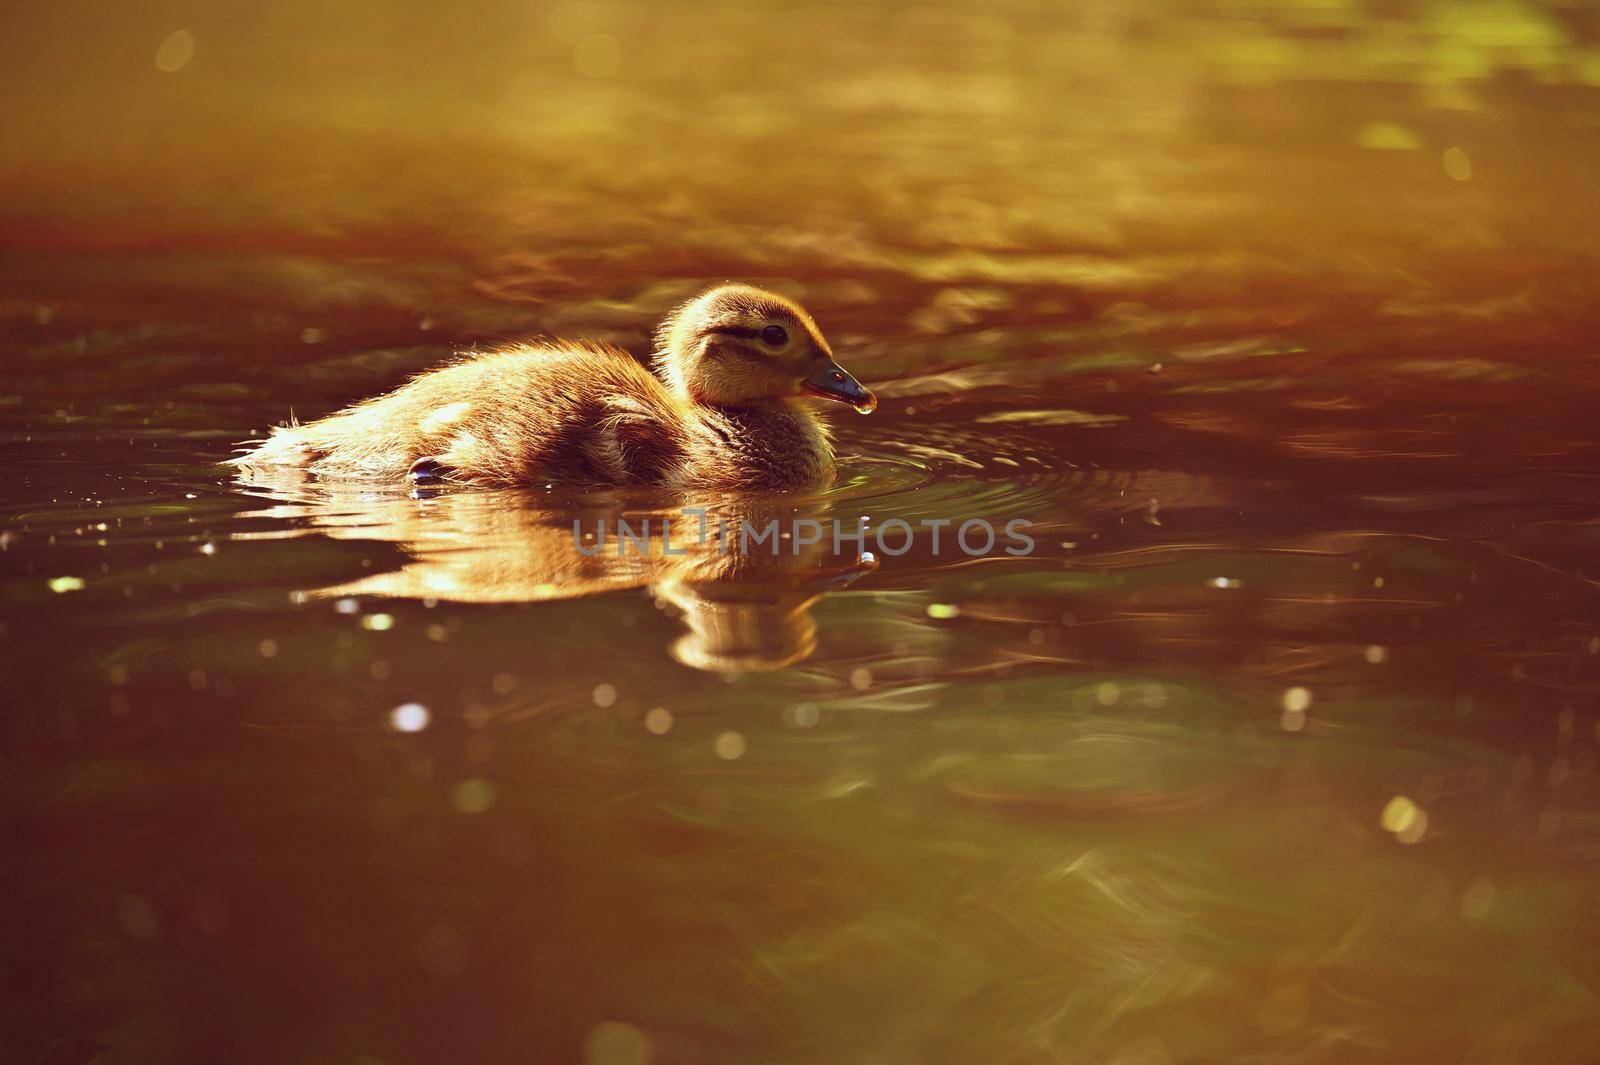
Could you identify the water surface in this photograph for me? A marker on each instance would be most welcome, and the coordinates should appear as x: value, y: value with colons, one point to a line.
x: 1280, y: 746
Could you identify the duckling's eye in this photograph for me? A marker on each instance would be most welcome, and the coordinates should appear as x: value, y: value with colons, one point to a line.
x: 775, y: 335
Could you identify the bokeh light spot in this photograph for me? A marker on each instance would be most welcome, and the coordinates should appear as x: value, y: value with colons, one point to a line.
x: 802, y: 715
x: 616, y: 1043
x: 730, y: 746
x: 474, y: 795
x: 137, y: 917
x: 175, y: 51
x: 409, y: 717
x: 1477, y: 899
x: 1405, y: 819
x: 1388, y: 136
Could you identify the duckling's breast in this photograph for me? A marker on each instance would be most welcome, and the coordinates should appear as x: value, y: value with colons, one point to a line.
x: 769, y: 446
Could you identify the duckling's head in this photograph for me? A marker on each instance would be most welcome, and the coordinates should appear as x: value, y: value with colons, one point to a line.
x: 737, y: 345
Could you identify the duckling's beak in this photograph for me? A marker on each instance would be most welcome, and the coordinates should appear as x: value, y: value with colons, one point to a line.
x: 831, y: 382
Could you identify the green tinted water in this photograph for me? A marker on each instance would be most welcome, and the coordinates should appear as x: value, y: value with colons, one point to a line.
x: 1280, y: 746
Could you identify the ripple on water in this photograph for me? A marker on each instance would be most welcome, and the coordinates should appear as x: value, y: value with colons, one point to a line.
x: 1015, y: 468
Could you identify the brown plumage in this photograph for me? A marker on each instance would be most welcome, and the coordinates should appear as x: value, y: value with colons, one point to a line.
x: 725, y: 408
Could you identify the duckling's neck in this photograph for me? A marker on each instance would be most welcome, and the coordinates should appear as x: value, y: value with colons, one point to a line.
x: 783, y: 423
x: 779, y: 441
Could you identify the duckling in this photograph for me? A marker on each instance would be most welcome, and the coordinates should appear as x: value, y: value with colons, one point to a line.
x: 724, y: 409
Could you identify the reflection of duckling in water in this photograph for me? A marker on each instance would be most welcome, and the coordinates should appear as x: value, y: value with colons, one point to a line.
x: 743, y: 612
x: 740, y: 626
x: 724, y: 412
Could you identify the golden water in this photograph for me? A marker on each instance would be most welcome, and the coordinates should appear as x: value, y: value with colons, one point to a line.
x: 1279, y: 322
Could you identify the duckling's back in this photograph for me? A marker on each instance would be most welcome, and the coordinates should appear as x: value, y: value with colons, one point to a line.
x: 547, y: 412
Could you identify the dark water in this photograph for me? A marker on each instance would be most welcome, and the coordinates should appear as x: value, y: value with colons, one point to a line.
x: 1280, y: 327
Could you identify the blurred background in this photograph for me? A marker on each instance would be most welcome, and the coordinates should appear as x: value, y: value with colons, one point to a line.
x: 1279, y: 321
x: 1335, y: 161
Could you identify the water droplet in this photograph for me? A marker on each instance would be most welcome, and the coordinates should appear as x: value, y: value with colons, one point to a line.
x: 658, y: 721
x: 730, y: 746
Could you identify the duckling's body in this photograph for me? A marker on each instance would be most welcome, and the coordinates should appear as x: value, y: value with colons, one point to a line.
x: 554, y: 412
x: 725, y: 411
